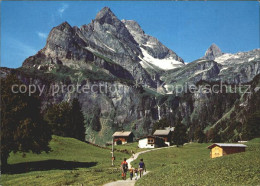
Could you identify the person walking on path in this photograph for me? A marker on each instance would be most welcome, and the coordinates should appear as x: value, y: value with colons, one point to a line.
x: 131, y: 170
x: 124, y: 168
x: 141, y: 167
x: 132, y: 182
x: 136, y: 174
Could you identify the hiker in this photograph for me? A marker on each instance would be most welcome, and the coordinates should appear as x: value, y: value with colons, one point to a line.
x: 131, y: 170
x: 124, y: 168
x: 136, y: 174
x: 141, y: 167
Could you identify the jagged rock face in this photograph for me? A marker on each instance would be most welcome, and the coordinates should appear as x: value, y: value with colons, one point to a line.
x: 212, y: 52
x: 230, y: 68
x: 135, y: 29
x: 105, y: 37
x: 109, y: 33
x: 239, y: 68
x: 154, y: 52
x: 108, y: 36
x: 193, y: 73
x: 63, y: 47
x: 154, y: 47
x: 109, y: 21
x: 109, y: 107
x: 224, y: 112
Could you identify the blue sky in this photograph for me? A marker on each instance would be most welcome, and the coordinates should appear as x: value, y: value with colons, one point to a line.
x: 188, y: 28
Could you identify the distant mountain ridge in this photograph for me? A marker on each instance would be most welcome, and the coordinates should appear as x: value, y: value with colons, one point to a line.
x: 215, y: 66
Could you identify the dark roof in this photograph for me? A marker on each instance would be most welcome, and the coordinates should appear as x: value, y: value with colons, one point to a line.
x: 122, y: 133
x: 161, y: 133
x: 226, y: 145
x: 149, y: 136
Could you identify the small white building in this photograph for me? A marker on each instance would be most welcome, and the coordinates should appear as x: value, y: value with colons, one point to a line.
x: 150, y: 142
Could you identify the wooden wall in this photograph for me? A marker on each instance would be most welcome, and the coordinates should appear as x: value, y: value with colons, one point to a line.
x: 216, y: 152
x: 232, y: 150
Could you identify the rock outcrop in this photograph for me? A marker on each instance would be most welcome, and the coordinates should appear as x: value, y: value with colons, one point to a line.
x: 212, y: 52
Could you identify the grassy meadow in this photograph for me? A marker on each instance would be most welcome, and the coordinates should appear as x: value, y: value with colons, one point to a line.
x: 71, y: 162
x: 191, y: 165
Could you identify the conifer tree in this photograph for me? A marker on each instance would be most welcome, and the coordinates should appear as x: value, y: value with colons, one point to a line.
x: 180, y: 135
x: 22, y: 126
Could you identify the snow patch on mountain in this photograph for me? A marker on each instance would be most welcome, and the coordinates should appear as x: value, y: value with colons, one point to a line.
x: 223, y: 58
x: 164, y: 64
x: 145, y: 64
x: 251, y: 59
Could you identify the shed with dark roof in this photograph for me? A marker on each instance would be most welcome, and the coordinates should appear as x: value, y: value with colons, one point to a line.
x: 165, y: 134
x: 122, y: 137
x: 222, y: 149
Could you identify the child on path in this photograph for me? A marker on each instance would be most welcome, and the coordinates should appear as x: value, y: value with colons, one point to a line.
x: 131, y: 173
x: 136, y: 173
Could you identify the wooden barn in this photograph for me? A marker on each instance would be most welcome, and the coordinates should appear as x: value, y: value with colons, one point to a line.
x: 122, y: 137
x: 222, y: 149
x: 151, y: 142
x: 165, y: 134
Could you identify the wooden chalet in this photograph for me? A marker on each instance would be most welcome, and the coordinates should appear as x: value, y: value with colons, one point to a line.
x: 165, y: 134
x: 222, y: 149
x: 122, y: 137
x: 151, y: 142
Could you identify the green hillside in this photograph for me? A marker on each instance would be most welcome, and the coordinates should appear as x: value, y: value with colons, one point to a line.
x: 191, y: 165
x: 71, y: 162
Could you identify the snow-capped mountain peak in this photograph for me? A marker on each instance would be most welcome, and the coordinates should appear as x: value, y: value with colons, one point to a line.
x: 154, y: 52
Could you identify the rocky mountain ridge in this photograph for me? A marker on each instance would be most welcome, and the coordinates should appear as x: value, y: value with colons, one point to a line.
x: 229, y: 68
x: 154, y: 52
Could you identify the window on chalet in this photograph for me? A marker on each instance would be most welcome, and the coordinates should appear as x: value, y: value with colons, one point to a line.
x: 150, y: 141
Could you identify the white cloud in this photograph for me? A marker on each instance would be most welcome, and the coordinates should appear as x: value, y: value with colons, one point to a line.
x: 62, y: 9
x: 42, y: 35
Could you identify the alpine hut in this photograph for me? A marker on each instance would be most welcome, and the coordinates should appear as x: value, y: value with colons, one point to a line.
x: 165, y: 134
x: 122, y: 137
x: 222, y: 149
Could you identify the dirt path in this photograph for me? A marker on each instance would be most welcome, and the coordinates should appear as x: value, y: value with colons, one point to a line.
x: 126, y: 182
x: 129, y: 182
